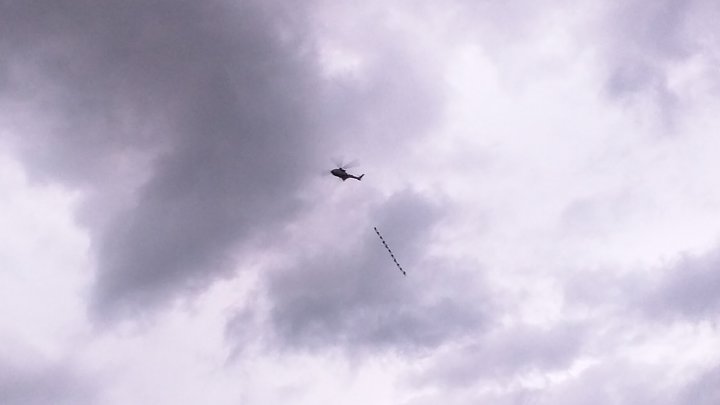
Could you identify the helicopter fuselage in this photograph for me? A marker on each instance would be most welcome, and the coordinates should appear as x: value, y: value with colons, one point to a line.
x: 342, y: 174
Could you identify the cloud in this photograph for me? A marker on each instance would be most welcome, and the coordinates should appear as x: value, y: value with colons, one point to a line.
x: 186, y: 124
x: 647, y: 47
x: 36, y: 384
x: 635, y: 383
x: 352, y: 296
x: 687, y: 290
x: 705, y: 390
x: 192, y: 134
x: 191, y: 128
x: 506, y: 353
x: 602, y: 384
x: 682, y: 288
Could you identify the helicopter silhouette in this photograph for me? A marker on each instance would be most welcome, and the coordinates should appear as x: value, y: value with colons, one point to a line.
x: 344, y: 175
x: 341, y: 170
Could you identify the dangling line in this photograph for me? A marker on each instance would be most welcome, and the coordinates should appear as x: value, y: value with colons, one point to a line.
x: 389, y: 251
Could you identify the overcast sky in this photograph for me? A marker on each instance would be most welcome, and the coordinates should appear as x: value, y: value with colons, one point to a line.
x: 545, y: 171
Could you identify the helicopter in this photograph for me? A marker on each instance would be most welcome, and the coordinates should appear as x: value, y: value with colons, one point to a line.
x: 344, y: 175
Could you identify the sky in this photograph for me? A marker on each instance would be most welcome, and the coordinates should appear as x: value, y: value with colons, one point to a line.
x: 545, y: 171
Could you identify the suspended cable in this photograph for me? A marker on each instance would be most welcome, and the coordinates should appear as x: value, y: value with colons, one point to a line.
x: 389, y: 251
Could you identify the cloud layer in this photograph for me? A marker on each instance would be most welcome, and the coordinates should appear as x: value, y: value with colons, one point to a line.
x: 544, y: 171
x: 188, y: 125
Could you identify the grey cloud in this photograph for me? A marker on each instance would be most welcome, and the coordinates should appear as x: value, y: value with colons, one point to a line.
x: 395, y: 98
x: 401, y: 97
x: 653, y: 27
x: 508, y: 352
x: 210, y: 89
x: 28, y: 384
x: 636, y: 42
x: 600, y: 214
x: 189, y: 126
x: 639, y: 40
x: 242, y: 143
x: 705, y: 390
x: 602, y: 290
x: 684, y: 290
x: 624, y: 383
x: 611, y: 382
x: 356, y: 299
x: 642, y: 35
x: 687, y: 290
x: 503, y: 23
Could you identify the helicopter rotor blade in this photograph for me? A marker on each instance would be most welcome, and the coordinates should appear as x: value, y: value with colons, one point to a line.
x: 340, y: 163
x: 337, y: 161
x: 351, y: 164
